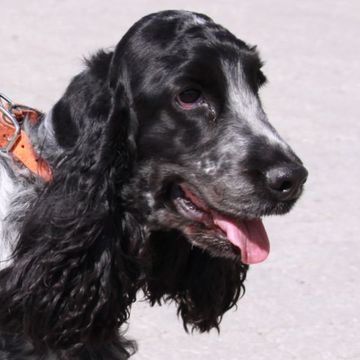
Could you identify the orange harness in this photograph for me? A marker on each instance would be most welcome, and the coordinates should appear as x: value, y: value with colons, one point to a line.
x: 14, y: 140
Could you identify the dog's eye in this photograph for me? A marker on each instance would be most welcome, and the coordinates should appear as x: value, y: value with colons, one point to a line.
x: 189, y: 98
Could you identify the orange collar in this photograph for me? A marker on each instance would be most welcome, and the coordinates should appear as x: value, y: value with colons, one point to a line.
x: 14, y: 140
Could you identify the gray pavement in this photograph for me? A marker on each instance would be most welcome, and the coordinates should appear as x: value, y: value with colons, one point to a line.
x: 304, y: 301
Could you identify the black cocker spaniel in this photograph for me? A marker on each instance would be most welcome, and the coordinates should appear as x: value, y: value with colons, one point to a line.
x: 163, y: 162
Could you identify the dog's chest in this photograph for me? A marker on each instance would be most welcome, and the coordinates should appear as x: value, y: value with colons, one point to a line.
x: 8, y: 190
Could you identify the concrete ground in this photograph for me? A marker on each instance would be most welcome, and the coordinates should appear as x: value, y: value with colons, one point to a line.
x: 304, y: 301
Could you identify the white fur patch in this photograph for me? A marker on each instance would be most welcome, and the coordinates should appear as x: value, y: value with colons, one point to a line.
x: 198, y: 20
x: 8, y: 190
x: 208, y: 166
x: 246, y: 105
x: 150, y: 199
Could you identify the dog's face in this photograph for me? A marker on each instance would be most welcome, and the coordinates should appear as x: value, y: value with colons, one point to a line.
x: 210, y: 163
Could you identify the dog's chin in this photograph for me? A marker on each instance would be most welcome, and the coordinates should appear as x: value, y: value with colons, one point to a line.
x: 212, y: 241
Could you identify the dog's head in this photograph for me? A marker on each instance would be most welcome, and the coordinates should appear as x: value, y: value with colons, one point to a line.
x: 163, y: 164
x: 209, y: 162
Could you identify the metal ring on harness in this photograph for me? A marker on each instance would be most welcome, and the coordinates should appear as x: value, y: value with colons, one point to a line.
x: 10, y: 120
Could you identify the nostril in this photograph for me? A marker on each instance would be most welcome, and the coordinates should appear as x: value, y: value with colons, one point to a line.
x: 286, y: 181
x: 279, y: 180
x: 285, y: 186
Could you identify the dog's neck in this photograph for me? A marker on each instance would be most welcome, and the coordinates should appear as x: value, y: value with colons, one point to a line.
x: 17, y: 184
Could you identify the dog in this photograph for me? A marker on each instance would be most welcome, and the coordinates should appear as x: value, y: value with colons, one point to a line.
x: 161, y: 164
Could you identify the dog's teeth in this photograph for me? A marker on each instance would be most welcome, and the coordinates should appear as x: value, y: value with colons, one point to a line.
x: 191, y: 205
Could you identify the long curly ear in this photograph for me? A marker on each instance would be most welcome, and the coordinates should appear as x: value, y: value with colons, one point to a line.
x: 204, y: 287
x: 73, y: 276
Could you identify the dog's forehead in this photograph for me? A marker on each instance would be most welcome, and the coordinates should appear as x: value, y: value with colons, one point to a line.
x: 175, y: 27
x: 174, y: 38
x: 219, y: 43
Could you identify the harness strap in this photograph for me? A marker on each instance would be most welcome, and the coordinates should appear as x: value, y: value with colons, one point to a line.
x: 14, y: 140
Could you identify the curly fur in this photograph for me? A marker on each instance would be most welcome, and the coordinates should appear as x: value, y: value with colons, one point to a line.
x: 86, y: 242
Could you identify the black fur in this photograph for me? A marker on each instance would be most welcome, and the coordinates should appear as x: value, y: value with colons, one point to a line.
x: 105, y: 227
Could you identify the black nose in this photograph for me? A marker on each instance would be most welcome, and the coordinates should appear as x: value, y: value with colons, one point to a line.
x: 286, y: 181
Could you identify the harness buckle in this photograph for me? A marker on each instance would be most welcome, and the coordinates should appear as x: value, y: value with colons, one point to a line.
x: 5, y: 109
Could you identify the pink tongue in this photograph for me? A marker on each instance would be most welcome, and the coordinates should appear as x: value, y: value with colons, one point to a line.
x: 248, y: 235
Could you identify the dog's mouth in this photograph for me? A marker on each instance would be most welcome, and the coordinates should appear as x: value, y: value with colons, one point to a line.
x: 248, y: 235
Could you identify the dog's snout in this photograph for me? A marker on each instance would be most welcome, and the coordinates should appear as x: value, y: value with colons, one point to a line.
x: 286, y: 181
